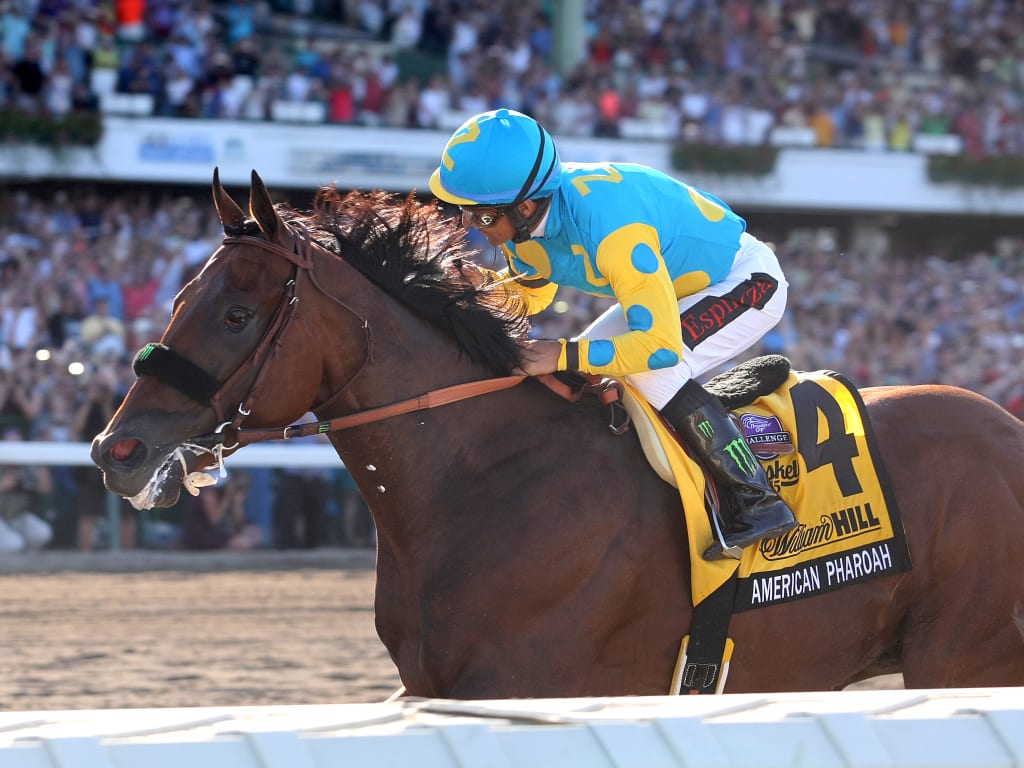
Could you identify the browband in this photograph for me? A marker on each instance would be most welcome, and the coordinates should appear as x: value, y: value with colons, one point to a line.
x: 179, y: 372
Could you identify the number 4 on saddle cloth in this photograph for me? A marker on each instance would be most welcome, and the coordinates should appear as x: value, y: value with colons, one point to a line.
x: 811, y: 433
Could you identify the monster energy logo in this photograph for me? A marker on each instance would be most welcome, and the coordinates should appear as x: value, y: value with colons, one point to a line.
x: 146, y: 351
x: 740, y: 453
x: 706, y: 429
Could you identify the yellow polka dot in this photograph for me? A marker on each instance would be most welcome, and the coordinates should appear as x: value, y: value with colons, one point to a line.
x: 690, y: 283
x: 711, y: 211
x: 533, y: 254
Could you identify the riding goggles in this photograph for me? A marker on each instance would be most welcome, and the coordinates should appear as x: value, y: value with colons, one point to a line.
x: 483, y: 219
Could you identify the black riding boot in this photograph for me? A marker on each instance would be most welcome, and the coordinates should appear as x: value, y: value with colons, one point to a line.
x: 705, y: 425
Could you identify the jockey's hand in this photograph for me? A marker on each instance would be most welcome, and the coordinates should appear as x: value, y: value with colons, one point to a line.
x: 476, y: 274
x: 539, y: 356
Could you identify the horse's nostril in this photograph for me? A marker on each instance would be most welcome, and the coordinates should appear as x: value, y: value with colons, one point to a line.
x: 122, y: 449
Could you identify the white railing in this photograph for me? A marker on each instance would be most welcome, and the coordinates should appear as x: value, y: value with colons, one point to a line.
x: 281, y: 454
x: 56, y: 454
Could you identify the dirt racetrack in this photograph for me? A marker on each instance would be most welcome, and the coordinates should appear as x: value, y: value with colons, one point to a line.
x: 114, y: 630
x: 181, y: 629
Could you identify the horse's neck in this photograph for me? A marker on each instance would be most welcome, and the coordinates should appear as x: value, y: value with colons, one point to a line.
x: 435, y: 438
x: 403, y: 463
x: 410, y: 468
x: 383, y: 353
x: 407, y: 359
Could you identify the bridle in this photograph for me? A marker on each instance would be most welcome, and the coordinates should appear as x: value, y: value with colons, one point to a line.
x: 182, y: 374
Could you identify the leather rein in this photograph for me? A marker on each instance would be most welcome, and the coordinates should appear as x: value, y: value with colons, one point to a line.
x: 431, y: 399
x: 182, y: 374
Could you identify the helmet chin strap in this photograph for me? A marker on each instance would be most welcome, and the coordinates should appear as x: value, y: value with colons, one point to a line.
x: 524, y: 225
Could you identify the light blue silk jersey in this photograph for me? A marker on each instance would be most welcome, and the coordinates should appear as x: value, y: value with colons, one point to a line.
x: 636, y: 234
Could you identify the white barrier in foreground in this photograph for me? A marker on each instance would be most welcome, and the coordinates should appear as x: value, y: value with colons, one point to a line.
x: 966, y: 728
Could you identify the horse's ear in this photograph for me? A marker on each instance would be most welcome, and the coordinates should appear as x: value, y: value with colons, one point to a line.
x: 262, y: 208
x: 231, y: 215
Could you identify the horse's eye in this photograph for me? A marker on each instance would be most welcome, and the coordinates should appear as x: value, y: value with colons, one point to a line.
x: 237, y: 318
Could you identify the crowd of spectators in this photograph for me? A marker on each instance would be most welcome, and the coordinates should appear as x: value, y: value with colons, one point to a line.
x: 72, y: 261
x: 87, y: 277
x: 848, y: 73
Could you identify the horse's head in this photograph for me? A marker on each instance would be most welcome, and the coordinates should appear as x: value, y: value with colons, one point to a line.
x: 258, y: 337
x: 229, y: 353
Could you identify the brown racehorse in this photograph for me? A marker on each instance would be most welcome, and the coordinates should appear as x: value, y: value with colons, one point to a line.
x: 523, y: 551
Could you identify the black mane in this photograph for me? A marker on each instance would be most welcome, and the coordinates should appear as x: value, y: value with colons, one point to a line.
x: 419, y: 257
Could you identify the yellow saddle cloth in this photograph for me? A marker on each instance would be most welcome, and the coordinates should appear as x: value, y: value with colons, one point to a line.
x: 817, y: 448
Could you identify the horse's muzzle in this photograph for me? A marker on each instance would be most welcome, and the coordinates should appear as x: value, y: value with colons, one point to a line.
x: 146, y: 475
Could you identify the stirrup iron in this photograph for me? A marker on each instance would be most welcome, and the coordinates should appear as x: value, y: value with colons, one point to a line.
x: 725, y: 550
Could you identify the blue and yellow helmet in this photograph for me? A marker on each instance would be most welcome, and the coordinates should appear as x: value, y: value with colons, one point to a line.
x: 499, y: 157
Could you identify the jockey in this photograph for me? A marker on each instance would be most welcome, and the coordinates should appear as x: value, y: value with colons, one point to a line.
x: 694, y: 289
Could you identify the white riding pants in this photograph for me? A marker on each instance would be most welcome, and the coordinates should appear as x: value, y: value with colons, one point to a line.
x: 717, y: 343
